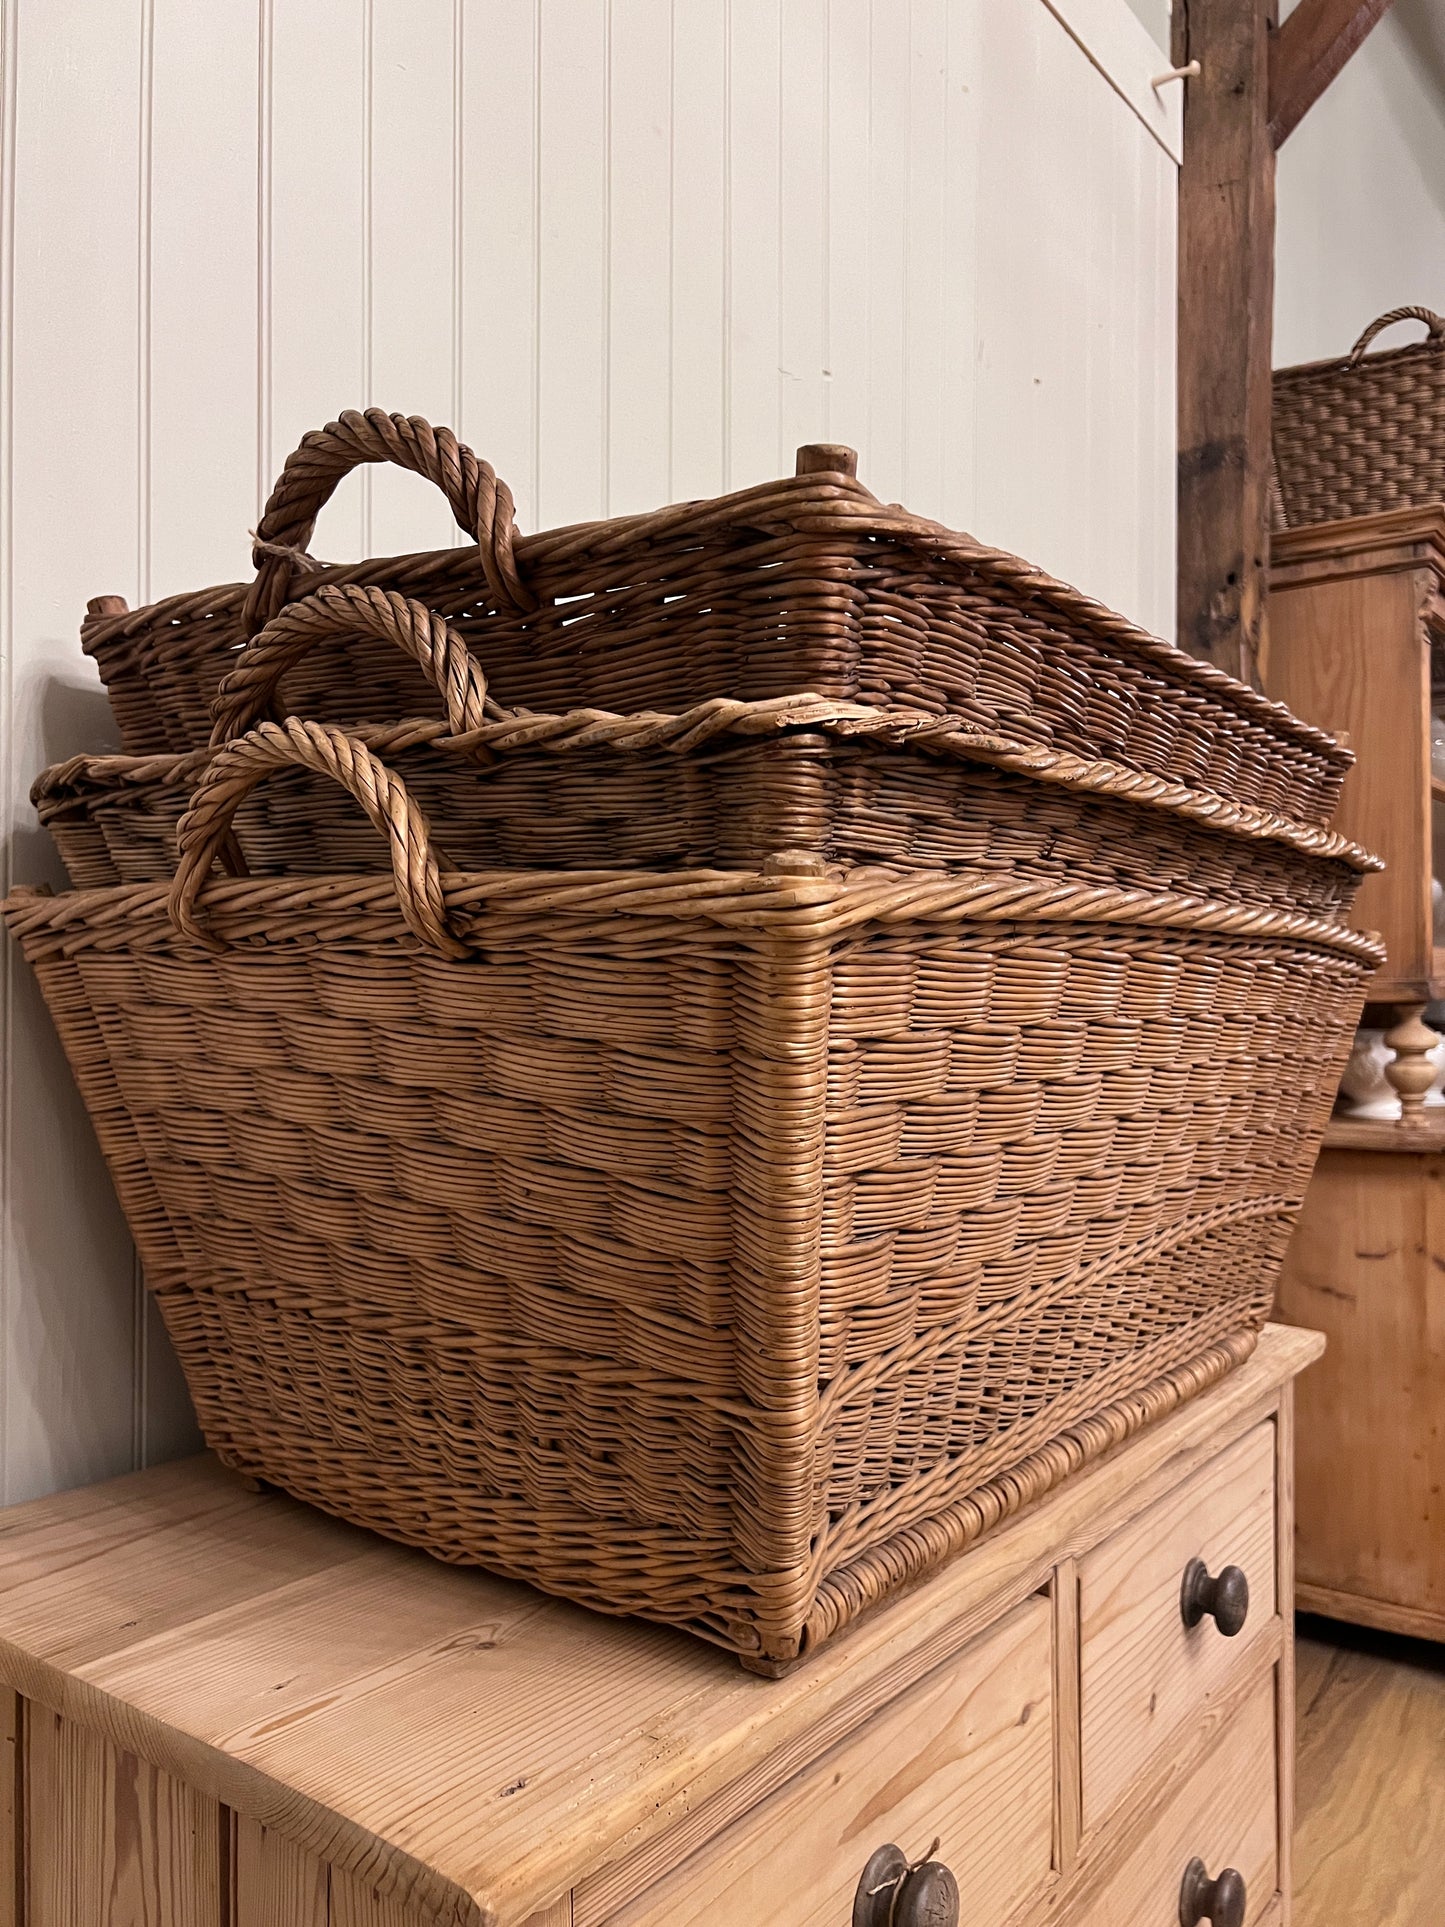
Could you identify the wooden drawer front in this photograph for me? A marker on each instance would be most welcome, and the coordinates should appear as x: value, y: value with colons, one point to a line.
x: 1143, y: 1670
x: 1225, y: 1814
x: 966, y: 1755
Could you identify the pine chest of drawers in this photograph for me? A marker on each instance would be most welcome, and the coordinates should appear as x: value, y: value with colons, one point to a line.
x: 222, y: 1710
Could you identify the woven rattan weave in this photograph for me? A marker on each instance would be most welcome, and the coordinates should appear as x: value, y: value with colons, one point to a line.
x: 722, y: 785
x: 807, y: 583
x: 1365, y: 433
x: 723, y: 1247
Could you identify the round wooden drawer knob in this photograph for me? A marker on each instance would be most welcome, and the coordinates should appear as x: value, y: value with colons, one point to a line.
x: 1225, y: 1598
x: 892, y: 1892
x: 1221, y: 1902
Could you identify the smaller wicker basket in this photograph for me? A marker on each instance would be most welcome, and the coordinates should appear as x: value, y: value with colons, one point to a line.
x: 805, y: 583
x: 1362, y: 434
x: 722, y: 785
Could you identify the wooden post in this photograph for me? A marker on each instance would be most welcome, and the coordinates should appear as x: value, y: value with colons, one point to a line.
x: 1226, y: 302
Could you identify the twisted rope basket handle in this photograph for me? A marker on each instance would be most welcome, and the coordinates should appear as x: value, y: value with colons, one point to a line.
x: 248, y: 691
x: 482, y: 504
x: 236, y: 770
x: 1433, y: 322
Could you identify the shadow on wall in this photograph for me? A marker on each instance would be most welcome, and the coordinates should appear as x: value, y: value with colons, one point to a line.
x: 1422, y: 22
x: 89, y: 1385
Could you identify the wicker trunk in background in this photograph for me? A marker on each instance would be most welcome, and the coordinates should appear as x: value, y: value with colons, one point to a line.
x: 724, y: 1248
x: 1365, y: 433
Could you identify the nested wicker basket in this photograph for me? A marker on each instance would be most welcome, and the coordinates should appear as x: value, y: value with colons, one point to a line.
x: 722, y: 1247
x: 803, y: 584
x: 1364, y: 433
x: 723, y: 785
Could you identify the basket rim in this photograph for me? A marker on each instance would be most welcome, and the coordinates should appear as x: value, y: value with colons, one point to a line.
x: 84, y: 779
x: 247, y: 913
x: 1372, y: 361
x: 819, y: 506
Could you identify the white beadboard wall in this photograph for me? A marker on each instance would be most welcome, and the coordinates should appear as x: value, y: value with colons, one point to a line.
x: 632, y: 250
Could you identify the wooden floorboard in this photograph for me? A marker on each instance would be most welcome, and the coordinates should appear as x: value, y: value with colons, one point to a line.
x: 1370, y: 1832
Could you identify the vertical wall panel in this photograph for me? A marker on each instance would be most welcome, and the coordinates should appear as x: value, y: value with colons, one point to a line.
x: 199, y: 296
x: 959, y: 290
x: 639, y: 255
x: 74, y: 409
x: 884, y: 248
x: 803, y: 217
x: 311, y: 120
x: 632, y: 250
x: 699, y: 234
x: 932, y: 257
x: 572, y: 416
x: 500, y: 242
x: 846, y: 266
x: 412, y: 142
x: 199, y: 239
x: 752, y: 450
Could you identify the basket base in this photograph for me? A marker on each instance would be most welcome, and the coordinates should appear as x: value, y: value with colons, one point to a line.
x: 885, y: 1572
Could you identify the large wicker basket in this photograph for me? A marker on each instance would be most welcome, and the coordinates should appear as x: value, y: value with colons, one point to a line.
x: 723, y: 786
x: 721, y: 1247
x: 1365, y: 433
x: 803, y: 584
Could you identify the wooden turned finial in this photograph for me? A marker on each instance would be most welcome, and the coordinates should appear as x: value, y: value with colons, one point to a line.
x: 1411, y: 1071
x: 826, y: 458
x: 107, y: 605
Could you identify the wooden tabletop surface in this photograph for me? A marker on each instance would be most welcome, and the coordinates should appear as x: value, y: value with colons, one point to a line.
x: 471, y: 1745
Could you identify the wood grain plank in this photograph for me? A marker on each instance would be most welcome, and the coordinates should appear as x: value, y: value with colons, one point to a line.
x: 355, y: 1903
x: 276, y: 1881
x: 12, y: 1810
x: 112, y: 1838
x: 67, y: 1779
x: 1284, y: 1592
x: 1370, y: 1839
x: 1144, y: 1672
x: 1317, y: 662
x: 1225, y: 1814
x: 974, y: 1738
x: 1365, y: 1268
x: 191, y: 1539
x: 1068, y: 1757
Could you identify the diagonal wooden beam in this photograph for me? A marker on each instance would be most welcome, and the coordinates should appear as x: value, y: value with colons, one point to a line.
x: 1309, y: 49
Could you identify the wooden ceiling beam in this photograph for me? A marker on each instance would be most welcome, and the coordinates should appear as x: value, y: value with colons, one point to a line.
x: 1310, y: 48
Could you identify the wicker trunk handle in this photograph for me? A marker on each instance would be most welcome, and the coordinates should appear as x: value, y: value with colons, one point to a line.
x: 236, y: 770
x: 247, y: 692
x: 481, y: 503
x: 1432, y: 321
